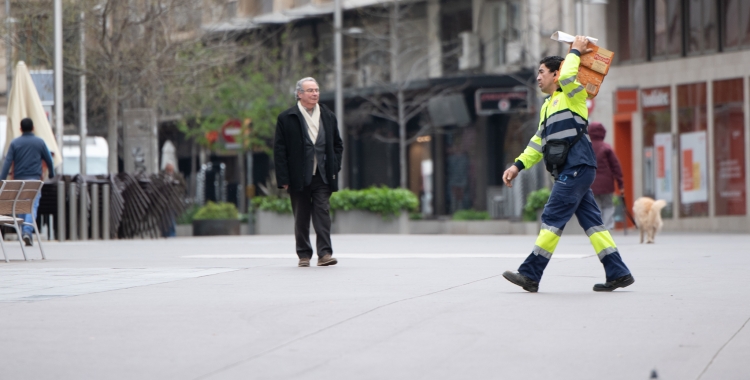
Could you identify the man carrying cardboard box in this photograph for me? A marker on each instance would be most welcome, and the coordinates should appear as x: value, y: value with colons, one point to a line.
x: 563, y: 142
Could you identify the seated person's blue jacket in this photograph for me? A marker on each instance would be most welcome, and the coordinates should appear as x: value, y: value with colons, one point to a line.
x: 26, y: 153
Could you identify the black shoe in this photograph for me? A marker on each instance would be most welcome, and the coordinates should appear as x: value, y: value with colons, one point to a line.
x: 27, y: 240
x: 526, y: 283
x: 620, y: 282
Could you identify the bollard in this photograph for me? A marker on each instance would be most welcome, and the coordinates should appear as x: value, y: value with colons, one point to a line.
x: 105, y: 212
x: 83, y: 213
x: 61, y: 210
x: 94, y: 211
x: 73, y: 208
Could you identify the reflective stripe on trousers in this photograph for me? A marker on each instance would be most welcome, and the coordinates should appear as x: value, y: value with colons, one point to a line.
x: 571, y: 194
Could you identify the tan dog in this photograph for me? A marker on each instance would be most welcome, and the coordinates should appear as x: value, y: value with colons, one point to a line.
x: 647, y: 214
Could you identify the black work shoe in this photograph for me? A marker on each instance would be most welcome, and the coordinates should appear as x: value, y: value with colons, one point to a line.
x: 27, y: 240
x: 526, y: 283
x: 619, y: 282
x: 304, y: 263
x: 327, y: 260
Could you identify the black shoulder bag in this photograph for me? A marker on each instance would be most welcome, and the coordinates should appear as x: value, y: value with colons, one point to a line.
x: 556, y: 152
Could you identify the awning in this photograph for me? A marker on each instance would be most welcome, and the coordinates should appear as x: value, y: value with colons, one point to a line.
x: 283, y: 17
x: 234, y: 25
x: 469, y: 81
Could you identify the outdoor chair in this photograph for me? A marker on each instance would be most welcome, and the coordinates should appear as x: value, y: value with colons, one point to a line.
x: 17, y: 197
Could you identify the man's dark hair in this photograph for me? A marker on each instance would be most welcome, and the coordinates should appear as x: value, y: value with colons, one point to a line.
x: 552, y: 62
x: 27, y: 125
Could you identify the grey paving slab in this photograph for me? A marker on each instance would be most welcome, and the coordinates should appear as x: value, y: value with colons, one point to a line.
x: 404, y: 307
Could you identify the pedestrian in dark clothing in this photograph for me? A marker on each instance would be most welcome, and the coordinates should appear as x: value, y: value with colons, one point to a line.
x: 307, y: 154
x: 26, y: 154
x: 607, y: 172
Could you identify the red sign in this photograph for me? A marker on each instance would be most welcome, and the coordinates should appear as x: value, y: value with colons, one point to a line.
x: 626, y: 101
x: 230, y: 129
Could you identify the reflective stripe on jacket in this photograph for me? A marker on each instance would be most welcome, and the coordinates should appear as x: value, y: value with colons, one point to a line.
x: 562, y: 115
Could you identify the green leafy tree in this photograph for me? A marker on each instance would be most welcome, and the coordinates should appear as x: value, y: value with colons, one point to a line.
x: 245, y: 96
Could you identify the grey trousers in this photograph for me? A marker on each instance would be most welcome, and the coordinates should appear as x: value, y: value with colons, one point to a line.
x: 604, y: 201
x: 313, y: 201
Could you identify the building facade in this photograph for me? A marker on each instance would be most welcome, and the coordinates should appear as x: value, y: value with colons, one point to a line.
x: 466, y: 70
x: 676, y: 104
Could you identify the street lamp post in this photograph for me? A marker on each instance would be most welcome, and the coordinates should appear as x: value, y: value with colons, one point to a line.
x: 83, y: 130
x: 59, y: 117
x: 58, y: 76
x: 8, y: 51
x: 339, y: 91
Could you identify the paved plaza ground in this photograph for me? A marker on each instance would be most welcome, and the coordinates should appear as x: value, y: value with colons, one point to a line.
x: 396, y: 307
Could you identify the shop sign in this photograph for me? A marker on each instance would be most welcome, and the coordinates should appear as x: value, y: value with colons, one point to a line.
x: 655, y: 98
x: 490, y: 101
x: 626, y: 101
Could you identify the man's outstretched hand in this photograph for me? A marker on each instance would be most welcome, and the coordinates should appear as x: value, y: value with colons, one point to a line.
x: 581, y: 44
x: 509, y: 175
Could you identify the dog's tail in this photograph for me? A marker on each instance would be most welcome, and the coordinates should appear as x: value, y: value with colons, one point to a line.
x: 654, y: 213
x: 658, y: 205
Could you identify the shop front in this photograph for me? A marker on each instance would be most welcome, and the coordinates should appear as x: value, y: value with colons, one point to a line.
x: 458, y: 147
x: 688, y: 142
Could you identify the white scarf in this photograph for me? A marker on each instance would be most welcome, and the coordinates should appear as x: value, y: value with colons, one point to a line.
x: 313, y: 122
x: 313, y: 127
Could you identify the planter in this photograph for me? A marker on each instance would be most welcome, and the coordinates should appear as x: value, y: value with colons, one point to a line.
x: 365, y: 222
x: 273, y: 223
x: 183, y: 230
x: 462, y: 227
x: 214, y: 227
x: 524, y: 228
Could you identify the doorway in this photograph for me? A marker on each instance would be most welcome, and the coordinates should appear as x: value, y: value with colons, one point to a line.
x: 623, y: 146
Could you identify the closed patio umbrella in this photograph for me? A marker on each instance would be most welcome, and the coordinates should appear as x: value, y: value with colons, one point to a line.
x: 24, y: 102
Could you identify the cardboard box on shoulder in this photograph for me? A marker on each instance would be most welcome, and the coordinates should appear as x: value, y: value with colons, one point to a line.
x: 591, y: 80
x: 594, y: 65
x: 598, y: 60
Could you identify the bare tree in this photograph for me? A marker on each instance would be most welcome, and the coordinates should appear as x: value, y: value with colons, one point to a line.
x: 395, y: 39
x: 145, y: 53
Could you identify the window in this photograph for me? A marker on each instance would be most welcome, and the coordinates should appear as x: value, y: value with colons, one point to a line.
x: 657, y: 146
x: 266, y: 6
x: 729, y: 147
x: 633, y: 31
x: 507, y: 32
x: 455, y: 17
x: 230, y: 10
x: 736, y: 24
x: 692, y: 123
x: 667, y: 41
x: 703, y: 27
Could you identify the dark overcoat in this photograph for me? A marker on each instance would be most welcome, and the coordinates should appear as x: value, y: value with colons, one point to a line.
x: 289, y: 148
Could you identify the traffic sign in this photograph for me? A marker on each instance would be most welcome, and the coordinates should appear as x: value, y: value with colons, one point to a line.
x: 490, y: 101
x: 229, y: 130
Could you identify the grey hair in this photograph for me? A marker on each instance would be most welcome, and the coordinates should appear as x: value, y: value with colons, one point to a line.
x: 299, y: 85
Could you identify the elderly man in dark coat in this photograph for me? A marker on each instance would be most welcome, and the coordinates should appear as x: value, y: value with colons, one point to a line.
x: 607, y: 172
x: 307, y: 154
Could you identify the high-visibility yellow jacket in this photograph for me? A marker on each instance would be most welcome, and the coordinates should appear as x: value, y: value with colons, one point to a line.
x: 563, y: 114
